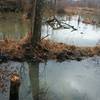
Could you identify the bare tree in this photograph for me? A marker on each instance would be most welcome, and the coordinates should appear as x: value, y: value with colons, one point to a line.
x: 36, y: 21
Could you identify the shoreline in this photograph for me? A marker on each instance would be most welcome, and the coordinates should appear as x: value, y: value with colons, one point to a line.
x: 45, y: 50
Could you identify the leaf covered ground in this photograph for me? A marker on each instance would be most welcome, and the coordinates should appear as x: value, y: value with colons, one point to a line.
x: 44, y: 50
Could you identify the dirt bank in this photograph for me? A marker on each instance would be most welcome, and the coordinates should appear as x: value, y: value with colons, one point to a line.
x: 45, y: 49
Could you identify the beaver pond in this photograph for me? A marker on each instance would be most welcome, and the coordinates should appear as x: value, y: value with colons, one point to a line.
x: 69, y: 80
x: 14, y: 26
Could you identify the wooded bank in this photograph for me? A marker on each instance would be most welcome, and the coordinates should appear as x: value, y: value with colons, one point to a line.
x: 45, y: 49
x: 15, y: 5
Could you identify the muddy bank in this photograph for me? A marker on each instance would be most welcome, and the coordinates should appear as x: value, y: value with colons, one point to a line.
x: 45, y: 49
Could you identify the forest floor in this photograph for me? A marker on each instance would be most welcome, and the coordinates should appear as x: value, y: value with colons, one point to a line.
x: 45, y: 49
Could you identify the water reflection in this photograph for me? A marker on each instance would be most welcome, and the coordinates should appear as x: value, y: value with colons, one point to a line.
x: 39, y: 88
x: 34, y: 76
x: 85, y: 35
x: 70, y: 80
x: 13, y: 26
x: 20, y: 68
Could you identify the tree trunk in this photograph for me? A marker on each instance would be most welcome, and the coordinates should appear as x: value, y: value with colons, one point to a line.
x: 36, y: 21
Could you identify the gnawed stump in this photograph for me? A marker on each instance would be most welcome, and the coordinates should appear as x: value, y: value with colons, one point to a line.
x: 14, y: 86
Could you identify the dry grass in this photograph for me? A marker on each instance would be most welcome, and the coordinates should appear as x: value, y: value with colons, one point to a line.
x: 71, y: 11
x: 60, y: 47
x: 46, y: 49
x: 81, y: 10
x: 11, y: 48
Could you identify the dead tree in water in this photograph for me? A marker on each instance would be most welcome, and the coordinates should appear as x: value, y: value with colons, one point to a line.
x: 36, y: 21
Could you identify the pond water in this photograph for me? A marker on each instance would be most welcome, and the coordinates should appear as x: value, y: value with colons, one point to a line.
x: 84, y: 35
x: 6, y: 70
x: 70, y: 80
x: 13, y: 26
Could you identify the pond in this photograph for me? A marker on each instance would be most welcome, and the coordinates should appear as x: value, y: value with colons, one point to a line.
x: 84, y: 35
x: 13, y: 26
x: 6, y: 70
x: 70, y: 80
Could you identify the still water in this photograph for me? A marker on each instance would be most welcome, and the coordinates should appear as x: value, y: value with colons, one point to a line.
x: 70, y: 80
x: 84, y: 35
x: 13, y: 26
x: 22, y: 69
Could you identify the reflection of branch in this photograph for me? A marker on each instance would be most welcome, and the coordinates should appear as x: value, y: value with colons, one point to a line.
x: 45, y: 37
x: 53, y: 21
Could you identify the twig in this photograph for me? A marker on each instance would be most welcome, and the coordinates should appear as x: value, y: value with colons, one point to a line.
x: 44, y: 37
x: 52, y: 22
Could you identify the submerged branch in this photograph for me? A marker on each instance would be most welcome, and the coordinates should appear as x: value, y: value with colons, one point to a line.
x: 56, y: 24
